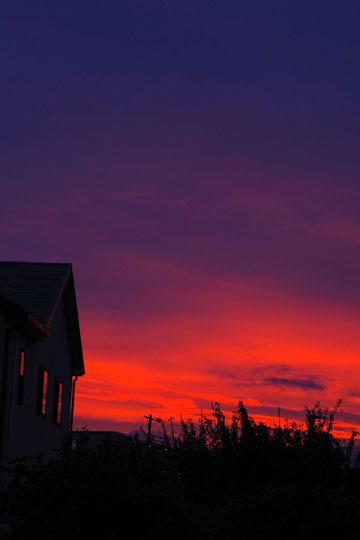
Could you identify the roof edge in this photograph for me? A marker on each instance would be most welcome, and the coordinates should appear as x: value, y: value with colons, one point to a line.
x: 66, y: 279
x: 10, y: 306
x: 38, y: 326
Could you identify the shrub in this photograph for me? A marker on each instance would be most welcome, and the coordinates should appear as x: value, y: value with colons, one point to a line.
x: 213, y: 480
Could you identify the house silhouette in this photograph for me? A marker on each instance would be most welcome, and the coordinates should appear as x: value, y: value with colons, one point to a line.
x: 40, y: 359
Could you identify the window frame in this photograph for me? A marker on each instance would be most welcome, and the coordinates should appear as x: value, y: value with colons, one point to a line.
x: 21, y: 377
x: 41, y: 396
x: 58, y: 402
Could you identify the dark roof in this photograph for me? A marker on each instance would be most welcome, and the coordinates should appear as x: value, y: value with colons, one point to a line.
x: 37, y: 288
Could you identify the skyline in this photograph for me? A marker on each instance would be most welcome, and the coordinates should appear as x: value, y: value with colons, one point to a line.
x: 198, y: 166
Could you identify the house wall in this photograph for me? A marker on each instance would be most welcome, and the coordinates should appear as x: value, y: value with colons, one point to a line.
x: 29, y: 433
x: 2, y: 349
x: 4, y: 383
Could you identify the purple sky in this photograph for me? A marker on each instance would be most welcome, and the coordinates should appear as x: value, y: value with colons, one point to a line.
x: 197, y: 162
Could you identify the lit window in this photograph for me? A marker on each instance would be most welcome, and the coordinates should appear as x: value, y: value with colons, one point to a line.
x: 21, y: 373
x: 58, y: 395
x: 42, y: 391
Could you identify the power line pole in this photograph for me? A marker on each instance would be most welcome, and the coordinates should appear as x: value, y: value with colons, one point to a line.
x: 150, y: 419
x: 149, y: 428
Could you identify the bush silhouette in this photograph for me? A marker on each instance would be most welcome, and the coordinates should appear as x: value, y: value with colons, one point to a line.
x: 212, y: 480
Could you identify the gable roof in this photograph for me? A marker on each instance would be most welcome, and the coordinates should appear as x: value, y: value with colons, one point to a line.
x: 36, y: 289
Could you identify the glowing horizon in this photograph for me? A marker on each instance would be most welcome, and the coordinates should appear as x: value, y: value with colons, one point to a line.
x: 277, y: 352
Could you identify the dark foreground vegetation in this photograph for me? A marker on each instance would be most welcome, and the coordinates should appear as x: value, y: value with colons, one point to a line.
x: 211, y: 481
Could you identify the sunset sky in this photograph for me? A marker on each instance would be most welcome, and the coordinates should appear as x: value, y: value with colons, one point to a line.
x: 198, y: 164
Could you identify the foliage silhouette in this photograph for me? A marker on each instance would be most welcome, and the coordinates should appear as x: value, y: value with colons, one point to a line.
x: 212, y: 480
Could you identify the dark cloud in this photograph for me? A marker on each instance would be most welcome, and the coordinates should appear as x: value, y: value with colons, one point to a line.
x: 272, y: 368
x: 106, y: 424
x: 305, y: 384
x: 202, y: 403
x: 222, y: 373
x: 136, y: 403
x: 349, y: 418
x: 206, y: 404
x: 265, y: 410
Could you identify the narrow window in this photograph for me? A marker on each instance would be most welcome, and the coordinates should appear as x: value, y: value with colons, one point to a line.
x: 42, y: 391
x: 21, y: 373
x: 58, y: 395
